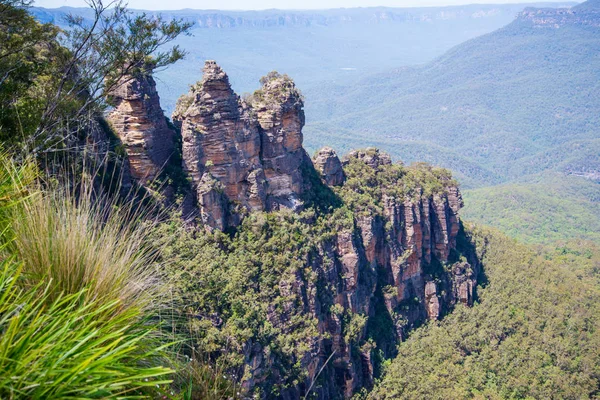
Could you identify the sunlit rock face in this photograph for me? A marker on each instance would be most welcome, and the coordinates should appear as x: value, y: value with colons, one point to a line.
x: 329, y: 165
x: 139, y: 121
x: 280, y: 111
x: 387, y: 270
x: 253, y: 148
x: 390, y: 265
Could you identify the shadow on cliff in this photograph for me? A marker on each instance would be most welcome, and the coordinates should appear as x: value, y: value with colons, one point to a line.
x: 466, y: 247
x: 320, y: 197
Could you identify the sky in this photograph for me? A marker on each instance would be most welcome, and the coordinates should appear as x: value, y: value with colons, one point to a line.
x: 281, y: 4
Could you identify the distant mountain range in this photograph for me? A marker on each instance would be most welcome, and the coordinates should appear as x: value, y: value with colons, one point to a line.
x: 508, y: 96
x: 339, y: 45
x: 216, y: 19
x: 518, y: 101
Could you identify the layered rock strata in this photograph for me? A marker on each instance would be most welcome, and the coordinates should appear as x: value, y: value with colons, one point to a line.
x: 140, y: 123
x: 254, y: 150
x: 387, y: 260
x: 584, y: 14
x: 391, y: 267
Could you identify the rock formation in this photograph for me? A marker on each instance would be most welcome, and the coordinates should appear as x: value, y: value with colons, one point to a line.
x: 140, y: 123
x: 329, y: 165
x: 398, y: 263
x: 254, y: 150
x: 279, y: 108
x: 387, y: 261
x: 584, y: 14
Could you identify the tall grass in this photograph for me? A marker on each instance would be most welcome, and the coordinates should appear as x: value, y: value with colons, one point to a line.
x: 78, y: 239
x: 80, y: 290
x: 63, y: 346
x: 14, y: 183
x: 199, y: 378
x: 77, y: 284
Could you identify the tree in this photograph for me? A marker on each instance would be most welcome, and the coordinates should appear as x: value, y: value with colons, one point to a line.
x: 66, y: 95
x: 23, y: 60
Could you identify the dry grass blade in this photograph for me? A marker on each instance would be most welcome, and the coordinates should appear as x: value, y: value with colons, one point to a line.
x: 79, y: 239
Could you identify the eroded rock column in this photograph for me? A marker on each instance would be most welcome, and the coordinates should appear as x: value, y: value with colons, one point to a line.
x: 139, y: 121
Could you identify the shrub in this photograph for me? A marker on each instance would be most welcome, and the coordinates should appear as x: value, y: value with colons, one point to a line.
x: 77, y: 239
x: 60, y: 346
x: 71, y: 301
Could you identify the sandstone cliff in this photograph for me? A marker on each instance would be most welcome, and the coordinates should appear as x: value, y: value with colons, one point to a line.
x: 254, y: 150
x: 584, y: 14
x: 389, y: 265
x: 369, y: 248
x: 140, y: 124
x: 328, y: 164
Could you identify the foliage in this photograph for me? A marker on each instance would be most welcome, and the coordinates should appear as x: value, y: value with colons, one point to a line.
x: 82, y: 240
x: 542, y: 209
x: 62, y: 333
x: 26, y: 47
x: 533, y: 334
x: 67, y: 347
x: 275, y: 88
x: 199, y: 379
x: 471, y: 110
x: 225, y: 288
x: 365, y: 187
x: 243, y: 296
x: 57, y: 81
x: 14, y: 181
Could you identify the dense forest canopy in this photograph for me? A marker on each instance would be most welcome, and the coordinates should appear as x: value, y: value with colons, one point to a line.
x: 368, y: 286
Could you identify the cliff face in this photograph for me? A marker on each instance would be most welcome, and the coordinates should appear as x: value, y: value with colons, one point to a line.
x: 255, y: 151
x: 390, y: 265
x: 328, y: 164
x: 377, y: 255
x: 140, y: 123
x: 584, y: 14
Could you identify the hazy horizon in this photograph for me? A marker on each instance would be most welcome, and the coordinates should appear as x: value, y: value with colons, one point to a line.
x: 256, y: 5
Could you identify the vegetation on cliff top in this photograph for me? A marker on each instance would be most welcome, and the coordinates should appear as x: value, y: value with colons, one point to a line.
x: 542, y: 209
x: 533, y: 333
x: 228, y: 290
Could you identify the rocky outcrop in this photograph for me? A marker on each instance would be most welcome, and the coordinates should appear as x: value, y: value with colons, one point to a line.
x: 212, y: 202
x: 584, y: 14
x: 394, y: 265
x: 220, y: 137
x: 140, y: 123
x: 280, y: 112
x: 381, y: 257
x: 254, y: 150
x: 371, y: 156
x: 329, y: 165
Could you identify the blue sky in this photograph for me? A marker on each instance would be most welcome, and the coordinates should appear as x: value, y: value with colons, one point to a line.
x: 265, y: 4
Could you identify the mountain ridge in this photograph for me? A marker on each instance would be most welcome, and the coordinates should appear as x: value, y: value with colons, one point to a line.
x: 316, y: 53
x: 214, y: 18
x: 494, y: 100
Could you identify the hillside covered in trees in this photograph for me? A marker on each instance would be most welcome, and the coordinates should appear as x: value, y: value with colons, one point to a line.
x: 513, y: 107
x: 518, y: 101
x: 208, y: 255
x: 533, y: 333
x: 315, y: 46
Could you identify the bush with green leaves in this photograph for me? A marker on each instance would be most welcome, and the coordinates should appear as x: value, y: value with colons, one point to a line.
x: 67, y: 346
x: 533, y: 334
x: 74, y: 283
